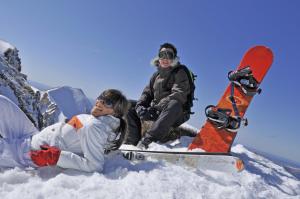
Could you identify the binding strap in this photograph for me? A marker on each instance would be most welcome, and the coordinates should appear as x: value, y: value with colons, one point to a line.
x: 221, y: 118
x: 244, y: 79
x: 235, y: 108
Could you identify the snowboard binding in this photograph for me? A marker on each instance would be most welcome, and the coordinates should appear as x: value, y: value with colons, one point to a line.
x: 244, y: 79
x: 222, y: 119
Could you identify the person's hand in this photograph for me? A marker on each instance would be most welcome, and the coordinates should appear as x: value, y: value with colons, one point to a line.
x: 47, y: 156
x: 154, y: 113
x: 147, y: 114
x: 96, y: 111
x: 141, y: 111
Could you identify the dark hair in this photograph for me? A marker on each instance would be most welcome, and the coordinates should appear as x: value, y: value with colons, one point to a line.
x: 120, y: 135
x: 118, y: 100
x: 120, y: 107
x: 168, y: 45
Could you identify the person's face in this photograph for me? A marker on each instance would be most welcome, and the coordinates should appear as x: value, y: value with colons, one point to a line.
x: 101, y: 108
x: 166, y: 57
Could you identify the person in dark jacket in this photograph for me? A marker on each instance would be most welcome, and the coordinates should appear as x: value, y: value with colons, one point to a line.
x: 162, y: 102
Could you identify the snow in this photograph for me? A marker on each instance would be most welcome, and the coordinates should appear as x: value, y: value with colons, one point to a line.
x: 123, y: 179
x: 4, y: 46
x: 36, y: 86
x: 71, y: 101
x: 7, y: 91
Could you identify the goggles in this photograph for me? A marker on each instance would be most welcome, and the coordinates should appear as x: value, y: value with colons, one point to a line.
x: 166, y: 54
x: 105, y: 101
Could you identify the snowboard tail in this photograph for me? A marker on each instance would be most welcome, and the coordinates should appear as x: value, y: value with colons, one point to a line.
x: 212, y: 139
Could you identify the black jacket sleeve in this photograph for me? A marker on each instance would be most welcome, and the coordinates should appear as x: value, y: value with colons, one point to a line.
x: 147, y: 95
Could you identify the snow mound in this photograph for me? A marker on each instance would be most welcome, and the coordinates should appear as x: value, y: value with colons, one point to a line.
x: 37, y: 86
x: 122, y: 179
x: 69, y: 101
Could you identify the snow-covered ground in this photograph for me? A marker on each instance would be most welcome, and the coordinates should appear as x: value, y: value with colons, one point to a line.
x: 122, y: 179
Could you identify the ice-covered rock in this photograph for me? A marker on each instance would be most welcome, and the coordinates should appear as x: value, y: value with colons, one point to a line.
x: 44, y: 107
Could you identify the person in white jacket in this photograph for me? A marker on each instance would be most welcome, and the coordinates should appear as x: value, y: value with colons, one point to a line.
x: 79, y: 144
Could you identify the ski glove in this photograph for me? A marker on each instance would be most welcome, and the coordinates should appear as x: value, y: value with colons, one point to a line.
x: 143, y: 113
x: 154, y: 113
x: 147, y: 114
x: 47, y: 156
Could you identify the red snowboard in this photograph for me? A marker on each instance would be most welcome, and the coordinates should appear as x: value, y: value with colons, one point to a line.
x: 212, y: 139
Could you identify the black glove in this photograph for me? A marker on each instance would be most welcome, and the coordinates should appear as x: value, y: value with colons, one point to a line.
x: 147, y: 114
x: 153, y: 112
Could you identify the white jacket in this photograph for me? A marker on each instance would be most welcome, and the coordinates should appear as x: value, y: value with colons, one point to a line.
x: 81, y: 140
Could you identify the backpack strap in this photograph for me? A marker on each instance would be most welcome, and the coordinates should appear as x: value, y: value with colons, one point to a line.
x: 190, y: 97
x: 191, y: 76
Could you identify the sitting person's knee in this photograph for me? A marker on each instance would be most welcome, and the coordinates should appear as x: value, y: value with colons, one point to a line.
x: 175, y: 105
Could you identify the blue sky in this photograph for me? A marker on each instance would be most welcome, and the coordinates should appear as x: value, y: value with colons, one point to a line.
x: 94, y: 45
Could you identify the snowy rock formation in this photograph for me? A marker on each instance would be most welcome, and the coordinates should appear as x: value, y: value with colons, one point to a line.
x: 13, y: 83
x: 43, y: 108
x: 62, y: 103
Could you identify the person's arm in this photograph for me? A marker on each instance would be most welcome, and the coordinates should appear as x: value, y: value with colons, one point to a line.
x: 92, y: 144
x: 146, y: 97
x: 179, y: 91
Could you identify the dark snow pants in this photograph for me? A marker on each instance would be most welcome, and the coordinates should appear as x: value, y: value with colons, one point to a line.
x: 170, y: 117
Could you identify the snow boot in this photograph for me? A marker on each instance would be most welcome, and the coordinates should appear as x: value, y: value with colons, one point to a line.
x: 144, y: 143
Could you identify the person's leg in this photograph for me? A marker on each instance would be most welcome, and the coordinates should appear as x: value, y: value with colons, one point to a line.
x: 134, y: 126
x: 171, y: 116
x: 14, y: 123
